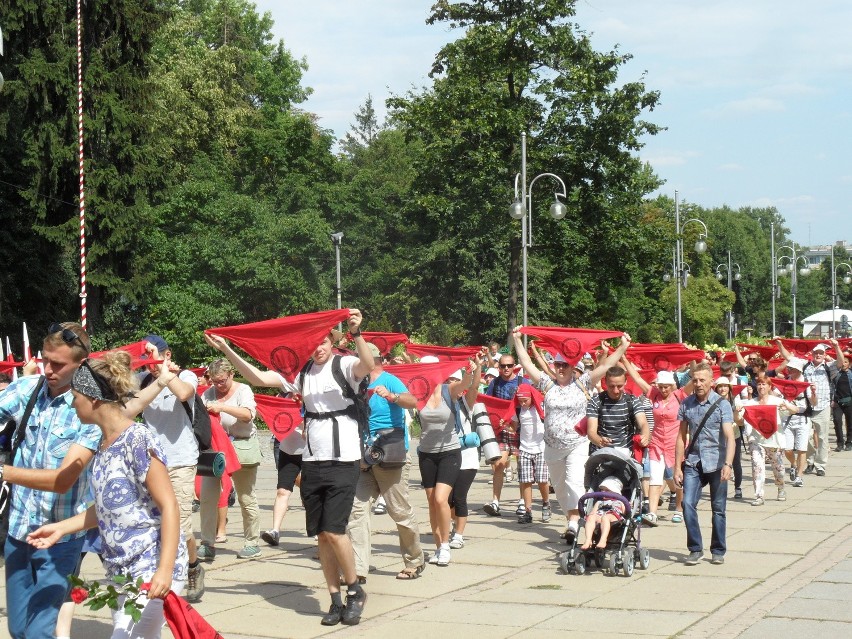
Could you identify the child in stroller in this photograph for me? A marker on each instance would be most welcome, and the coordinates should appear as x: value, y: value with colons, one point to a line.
x: 612, y: 510
x: 604, y: 513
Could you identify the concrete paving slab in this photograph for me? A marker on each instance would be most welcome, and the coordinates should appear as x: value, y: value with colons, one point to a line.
x: 801, y: 608
x: 777, y: 627
x: 657, y: 592
x: 622, y: 622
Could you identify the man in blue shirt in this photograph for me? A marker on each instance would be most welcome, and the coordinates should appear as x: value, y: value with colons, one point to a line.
x: 388, y: 400
x: 49, y: 480
x: 707, y: 459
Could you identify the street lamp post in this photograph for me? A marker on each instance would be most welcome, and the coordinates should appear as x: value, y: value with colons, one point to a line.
x: 835, y: 301
x: 521, y: 209
x: 682, y: 269
x: 791, y: 267
x: 337, y: 240
x: 731, y: 275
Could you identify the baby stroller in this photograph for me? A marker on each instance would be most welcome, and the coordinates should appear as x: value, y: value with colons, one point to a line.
x: 623, y: 545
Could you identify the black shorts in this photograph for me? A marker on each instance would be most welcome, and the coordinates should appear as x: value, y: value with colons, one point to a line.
x: 458, y: 496
x: 439, y: 468
x: 328, y: 492
x: 289, y: 467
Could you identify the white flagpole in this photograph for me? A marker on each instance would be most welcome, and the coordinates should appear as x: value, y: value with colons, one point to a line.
x: 10, y: 357
x: 28, y: 354
x: 40, y: 364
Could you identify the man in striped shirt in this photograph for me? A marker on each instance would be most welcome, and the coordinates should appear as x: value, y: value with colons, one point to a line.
x: 49, y: 483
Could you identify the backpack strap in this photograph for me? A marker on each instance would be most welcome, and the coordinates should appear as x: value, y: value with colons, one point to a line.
x: 454, y: 409
x: 21, y: 428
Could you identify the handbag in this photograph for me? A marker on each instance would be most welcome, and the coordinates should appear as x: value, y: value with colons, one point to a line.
x: 248, y: 450
x: 698, y: 431
x: 17, y: 436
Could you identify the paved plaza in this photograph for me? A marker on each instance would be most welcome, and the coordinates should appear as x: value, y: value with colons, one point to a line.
x: 788, y: 572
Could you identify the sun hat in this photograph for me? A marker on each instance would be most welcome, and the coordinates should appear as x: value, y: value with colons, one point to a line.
x: 612, y: 483
x: 665, y: 377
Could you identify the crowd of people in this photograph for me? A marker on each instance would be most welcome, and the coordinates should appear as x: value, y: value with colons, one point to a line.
x: 100, y: 447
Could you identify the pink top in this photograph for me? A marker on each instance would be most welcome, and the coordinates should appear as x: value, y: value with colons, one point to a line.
x: 666, y: 424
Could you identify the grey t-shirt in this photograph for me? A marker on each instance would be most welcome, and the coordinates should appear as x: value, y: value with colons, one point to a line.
x: 167, y: 417
x: 438, y: 429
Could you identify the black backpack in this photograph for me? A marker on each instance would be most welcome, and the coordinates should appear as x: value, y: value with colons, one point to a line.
x: 359, y: 410
x: 198, y: 416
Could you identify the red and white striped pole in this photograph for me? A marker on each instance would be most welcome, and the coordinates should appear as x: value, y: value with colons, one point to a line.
x: 80, y: 153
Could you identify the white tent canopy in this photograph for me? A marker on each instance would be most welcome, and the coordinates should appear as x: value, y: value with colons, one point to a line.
x: 818, y: 325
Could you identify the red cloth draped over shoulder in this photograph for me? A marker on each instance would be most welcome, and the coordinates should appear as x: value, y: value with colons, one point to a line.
x: 789, y: 388
x: 514, y: 405
x: 496, y: 409
x: 222, y: 443
x: 763, y: 418
x: 384, y: 341
x: 571, y: 342
x: 286, y: 343
x: 453, y: 353
x: 421, y: 379
x: 281, y: 414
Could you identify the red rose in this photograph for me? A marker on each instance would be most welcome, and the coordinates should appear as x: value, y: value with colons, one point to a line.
x: 78, y: 594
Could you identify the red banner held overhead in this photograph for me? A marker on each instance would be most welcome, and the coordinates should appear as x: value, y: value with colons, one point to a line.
x: 571, y: 342
x: 454, y: 353
x: 661, y: 357
x: 766, y: 352
x: 137, y: 354
x: 286, y: 343
x: 384, y: 341
x: 421, y: 379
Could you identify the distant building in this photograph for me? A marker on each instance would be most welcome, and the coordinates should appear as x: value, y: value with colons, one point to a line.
x: 817, y: 254
x: 818, y: 325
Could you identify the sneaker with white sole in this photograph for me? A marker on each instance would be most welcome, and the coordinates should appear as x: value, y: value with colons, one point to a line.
x: 249, y: 552
x: 521, y: 509
x: 757, y: 501
x: 798, y: 482
x: 194, y: 584
x: 271, y: 537
x: 456, y: 541
x: 443, y: 556
x: 545, y: 512
x: 782, y: 494
x: 434, y: 558
x: 492, y: 509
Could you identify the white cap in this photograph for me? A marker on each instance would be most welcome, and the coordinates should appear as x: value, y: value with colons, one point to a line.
x: 560, y: 359
x: 797, y: 363
x: 612, y: 483
x: 429, y: 359
x: 665, y: 377
x: 580, y: 366
x: 459, y: 374
x: 820, y: 347
x: 724, y: 381
x: 492, y: 371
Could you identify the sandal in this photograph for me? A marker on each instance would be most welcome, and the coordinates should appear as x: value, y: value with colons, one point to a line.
x: 221, y: 539
x: 411, y: 573
x: 677, y: 518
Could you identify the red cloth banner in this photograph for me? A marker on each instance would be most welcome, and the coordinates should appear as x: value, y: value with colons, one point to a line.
x: 764, y: 419
x: 221, y: 442
x: 184, y: 621
x: 282, y: 415
x: 454, y: 353
x: 384, y: 341
x: 496, y: 408
x: 789, y: 388
x: 802, y: 347
x: 660, y: 357
x: 137, y: 354
x: 286, y: 343
x: 7, y: 367
x: 421, y: 379
x: 571, y: 342
x: 766, y: 352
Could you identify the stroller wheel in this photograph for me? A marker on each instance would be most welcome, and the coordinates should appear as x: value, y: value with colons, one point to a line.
x: 627, y: 562
x: 566, y: 562
x: 642, y: 557
x: 613, y: 563
x: 580, y: 564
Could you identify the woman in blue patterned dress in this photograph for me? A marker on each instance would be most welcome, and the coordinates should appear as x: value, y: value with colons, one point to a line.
x: 135, y: 508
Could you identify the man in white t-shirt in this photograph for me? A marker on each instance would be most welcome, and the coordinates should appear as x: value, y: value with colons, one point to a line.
x: 331, y: 457
x: 167, y: 416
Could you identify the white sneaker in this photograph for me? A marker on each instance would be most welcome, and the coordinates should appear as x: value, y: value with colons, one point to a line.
x: 456, y: 541
x: 443, y: 557
x: 434, y: 558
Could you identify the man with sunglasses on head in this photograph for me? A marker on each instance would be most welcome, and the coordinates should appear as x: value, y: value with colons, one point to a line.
x: 49, y: 481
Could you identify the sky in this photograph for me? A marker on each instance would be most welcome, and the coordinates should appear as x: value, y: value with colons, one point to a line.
x: 756, y: 95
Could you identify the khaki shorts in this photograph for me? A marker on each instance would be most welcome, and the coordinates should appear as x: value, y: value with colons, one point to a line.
x: 183, y: 483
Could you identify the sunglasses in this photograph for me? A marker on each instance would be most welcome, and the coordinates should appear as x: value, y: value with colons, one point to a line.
x: 560, y: 365
x: 507, y: 366
x: 68, y: 336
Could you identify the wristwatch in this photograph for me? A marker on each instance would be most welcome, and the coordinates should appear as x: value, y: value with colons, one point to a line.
x: 729, y: 465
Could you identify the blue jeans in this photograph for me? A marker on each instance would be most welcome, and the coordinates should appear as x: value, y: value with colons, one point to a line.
x: 693, y: 481
x: 36, y: 585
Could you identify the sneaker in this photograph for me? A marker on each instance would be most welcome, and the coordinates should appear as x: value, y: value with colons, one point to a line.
x: 677, y: 518
x: 798, y: 482
x: 271, y: 537
x: 717, y: 560
x: 738, y: 493
x: 646, y: 508
x: 570, y: 533
x: 521, y: 509
x: 492, y: 509
x: 196, y: 505
x: 249, y: 552
x: 354, y: 607
x: 380, y: 508
x: 839, y: 448
x: 782, y: 494
x: 650, y: 519
x: 810, y: 469
x: 848, y: 446
x: 526, y: 518
x: 206, y: 553
x: 673, y: 502
x: 333, y: 616
x: 545, y: 512
x: 509, y: 475
x: 456, y: 542
x: 694, y: 558
x: 443, y: 557
x: 820, y: 472
x: 792, y: 472
x: 434, y: 558
x: 757, y: 501
x: 194, y: 584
